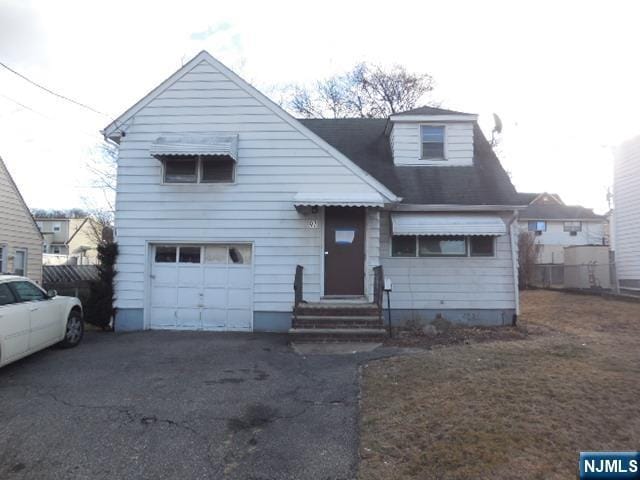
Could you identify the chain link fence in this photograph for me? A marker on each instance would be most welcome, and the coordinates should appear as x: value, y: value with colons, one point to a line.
x: 587, y: 276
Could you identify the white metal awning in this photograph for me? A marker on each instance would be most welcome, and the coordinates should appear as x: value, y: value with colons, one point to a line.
x: 343, y: 199
x: 212, y: 144
x: 447, y: 224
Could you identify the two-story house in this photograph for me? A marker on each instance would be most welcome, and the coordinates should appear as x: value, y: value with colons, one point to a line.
x: 225, y: 203
x: 20, y: 240
x: 626, y: 214
x: 557, y: 225
x: 69, y: 240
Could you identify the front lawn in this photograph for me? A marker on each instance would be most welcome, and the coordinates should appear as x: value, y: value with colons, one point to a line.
x: 511, y: 409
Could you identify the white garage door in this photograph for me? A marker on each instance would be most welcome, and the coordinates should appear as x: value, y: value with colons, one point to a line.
x: 202, y: 287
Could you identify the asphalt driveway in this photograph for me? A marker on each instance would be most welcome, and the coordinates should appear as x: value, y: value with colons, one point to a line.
x: 182, y: 405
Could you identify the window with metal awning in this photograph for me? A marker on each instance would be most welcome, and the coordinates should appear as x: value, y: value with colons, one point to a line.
x: 337, y: 199
x: 197, y: 158
x: 424, y: 224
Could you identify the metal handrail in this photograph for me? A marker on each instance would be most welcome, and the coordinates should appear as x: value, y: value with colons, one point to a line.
x: 297, y: 285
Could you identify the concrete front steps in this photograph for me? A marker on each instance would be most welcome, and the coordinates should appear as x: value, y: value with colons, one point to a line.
x: 336, y: 322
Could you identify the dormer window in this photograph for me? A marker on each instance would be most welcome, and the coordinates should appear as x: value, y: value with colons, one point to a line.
x: 432, y: 138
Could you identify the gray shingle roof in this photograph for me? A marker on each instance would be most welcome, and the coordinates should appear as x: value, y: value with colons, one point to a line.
x: 431, y: 111
x: 364, y: 142
x: 553, y: 211
x: 558, y: 212
x: 528, y: 197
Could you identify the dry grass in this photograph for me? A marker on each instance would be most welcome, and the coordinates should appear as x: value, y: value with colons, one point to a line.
x: 510, y: 409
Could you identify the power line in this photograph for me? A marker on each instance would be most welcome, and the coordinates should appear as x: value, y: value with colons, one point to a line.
x: 52, y: 92
x: 47, y: 117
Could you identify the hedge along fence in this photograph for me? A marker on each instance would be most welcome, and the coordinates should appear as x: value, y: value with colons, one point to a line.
x: 100, y: 310
x: 92, y: 284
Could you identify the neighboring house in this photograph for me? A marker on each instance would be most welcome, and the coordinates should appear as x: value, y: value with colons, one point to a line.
x: 69, y: 240
x: 221, y: 194
x: 20, y: 240
x: 626, y: 191
x: 557, y: 225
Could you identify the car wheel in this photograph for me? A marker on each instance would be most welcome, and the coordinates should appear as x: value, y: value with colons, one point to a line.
x: 74, y: 331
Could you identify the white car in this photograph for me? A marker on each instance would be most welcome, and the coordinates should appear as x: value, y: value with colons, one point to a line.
x: 32, y: 319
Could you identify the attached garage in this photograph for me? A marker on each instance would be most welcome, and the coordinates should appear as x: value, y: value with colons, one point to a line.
x: 201, y: 287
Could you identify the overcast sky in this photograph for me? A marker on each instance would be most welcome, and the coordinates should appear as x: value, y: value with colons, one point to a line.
x: 563, y: 76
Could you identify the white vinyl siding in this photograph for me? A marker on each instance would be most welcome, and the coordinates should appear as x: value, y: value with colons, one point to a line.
x: 449, y: 282
x: 275, y: 161
x: 17, y: 229
x: 406, y: 144
x: 626, y: 191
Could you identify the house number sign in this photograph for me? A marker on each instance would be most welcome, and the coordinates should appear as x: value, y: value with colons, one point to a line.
x: 313, y: 223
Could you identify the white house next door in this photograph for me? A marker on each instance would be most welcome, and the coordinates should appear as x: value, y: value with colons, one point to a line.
x: 201, y: 287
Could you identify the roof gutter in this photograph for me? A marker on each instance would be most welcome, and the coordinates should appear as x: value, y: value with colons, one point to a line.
x: 454, y: 208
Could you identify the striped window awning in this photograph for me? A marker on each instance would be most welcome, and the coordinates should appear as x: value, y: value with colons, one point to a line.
x: 338, y: 199
x: 212, y: 144
x: 447, y: 224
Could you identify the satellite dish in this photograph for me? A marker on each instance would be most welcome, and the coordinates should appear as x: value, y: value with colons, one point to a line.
x: 497, y: 123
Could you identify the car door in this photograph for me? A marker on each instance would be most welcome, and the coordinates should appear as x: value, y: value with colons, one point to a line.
x: 44, y: 315
x: 14, y: 326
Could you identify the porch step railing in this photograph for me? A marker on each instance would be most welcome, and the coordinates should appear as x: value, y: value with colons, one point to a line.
x: 297, y: 286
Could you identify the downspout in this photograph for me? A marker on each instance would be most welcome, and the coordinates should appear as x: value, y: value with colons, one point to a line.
x: 514, y: 258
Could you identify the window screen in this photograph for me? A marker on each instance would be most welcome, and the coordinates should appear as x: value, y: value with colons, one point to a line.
x: 217, y: 169
x: 432, y: 138
x: 180, y: 170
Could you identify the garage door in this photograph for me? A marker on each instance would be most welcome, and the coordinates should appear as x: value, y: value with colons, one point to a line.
x: 202, y: 287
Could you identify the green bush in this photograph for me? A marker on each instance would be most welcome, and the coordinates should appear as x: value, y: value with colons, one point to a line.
x: 99, y: 309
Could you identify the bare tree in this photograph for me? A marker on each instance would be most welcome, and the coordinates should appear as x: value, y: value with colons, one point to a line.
x: 527, y: 255
x: 102, y: 166
x: 366, y: 91
x: 103, y: 169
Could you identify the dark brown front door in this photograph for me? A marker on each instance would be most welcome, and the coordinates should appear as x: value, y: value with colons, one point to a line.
x: 344, y: 231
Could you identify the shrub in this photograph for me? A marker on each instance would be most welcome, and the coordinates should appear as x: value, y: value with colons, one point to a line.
x: 99, y: 309
x: 527, y: 256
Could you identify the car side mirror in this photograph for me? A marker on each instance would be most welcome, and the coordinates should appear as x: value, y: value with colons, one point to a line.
x: 52, y: 293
